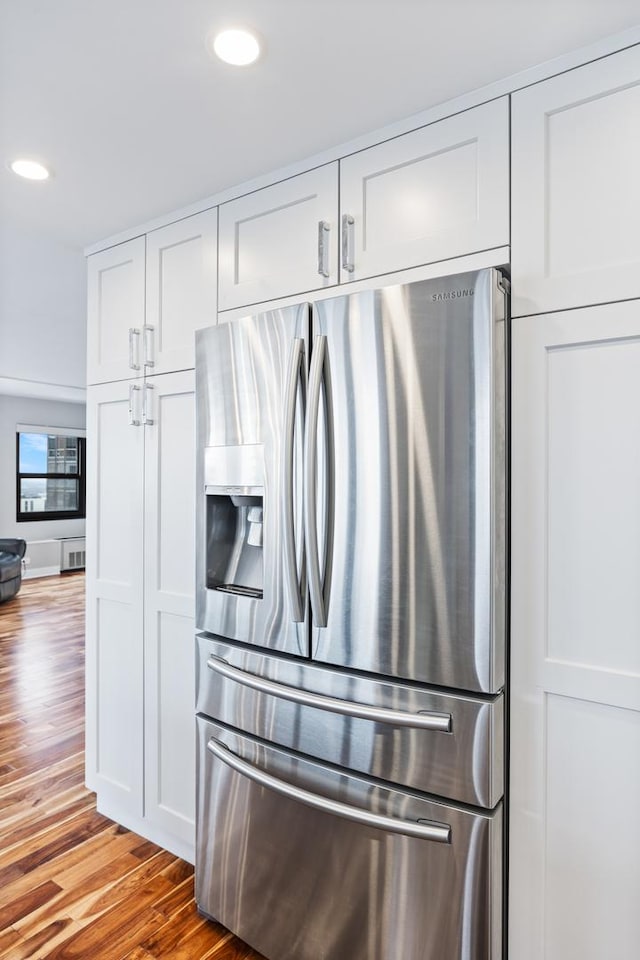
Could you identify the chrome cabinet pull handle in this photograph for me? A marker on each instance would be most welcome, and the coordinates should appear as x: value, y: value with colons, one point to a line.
x: 310, y: 469
x: 347, y: 242
x: 134, y: 349
x: 133, y: 388
x: 147, y: 409
x: 148, y: 332
x: 419, y: 829
x: 427, y: 720
x: 295, y: 589
x: 323, y: 248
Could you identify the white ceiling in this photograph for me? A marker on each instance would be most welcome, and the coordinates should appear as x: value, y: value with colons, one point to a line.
x: 123, y: 101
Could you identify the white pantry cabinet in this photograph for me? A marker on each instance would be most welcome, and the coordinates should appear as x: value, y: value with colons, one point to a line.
x: 576, y: 187
x: 281, y: 240
x: 169, y: 614
x: 438, y: 192
x: 181, y: 290
x: 116, y: 312
x: 140, y: 608
x: 575, y: 635
x: 114, y: 613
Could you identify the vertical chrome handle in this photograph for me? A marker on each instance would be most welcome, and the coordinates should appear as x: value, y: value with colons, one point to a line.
x: 133, y: 388
x: 294, y: 588
x: 310, y: 471
x: 347, y: 242
x: 323, y: 248
x: 134, y: 351
x: 147, y: 408
x: 148, y: 333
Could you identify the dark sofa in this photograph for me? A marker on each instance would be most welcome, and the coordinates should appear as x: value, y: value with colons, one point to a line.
x: 11, y: 554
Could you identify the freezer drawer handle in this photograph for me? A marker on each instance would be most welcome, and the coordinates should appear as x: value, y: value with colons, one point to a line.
x: 295, y: 588
x: 419, y: 829
x: 440, y: 722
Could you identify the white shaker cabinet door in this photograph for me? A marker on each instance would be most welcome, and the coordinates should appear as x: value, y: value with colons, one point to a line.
x: 170, y: 778
x: 114, y: 648
x: 439, y: 192
x: 116, y: 312
x: 576, y: 187
x: 181, y: 291
x: 281, y: 240
x: 575, y: 635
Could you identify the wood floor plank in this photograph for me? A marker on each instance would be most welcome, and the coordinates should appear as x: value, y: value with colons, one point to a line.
x: 74, y: 885
x: 79, y: 855
x: 28, y: 903
x: 40, y: 946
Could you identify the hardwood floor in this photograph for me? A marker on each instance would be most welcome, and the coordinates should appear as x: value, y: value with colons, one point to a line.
x: 72, y: 883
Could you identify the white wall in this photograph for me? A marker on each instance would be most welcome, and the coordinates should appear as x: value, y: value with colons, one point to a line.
x: 42, y: 309
x: 45, y: 413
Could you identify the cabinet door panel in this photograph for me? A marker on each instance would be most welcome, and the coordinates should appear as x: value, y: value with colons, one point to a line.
x: 181, y: 289
x: 436, y: 193
x: 169, y: 606
x: 115, y: 306
x: 114, y: 649
x: 575, y: 668
x: 576, y: 190
x: 269, y: 240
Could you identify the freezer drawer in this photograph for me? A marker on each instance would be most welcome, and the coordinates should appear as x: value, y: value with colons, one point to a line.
x: 307, y: 863
x: 451, y: 746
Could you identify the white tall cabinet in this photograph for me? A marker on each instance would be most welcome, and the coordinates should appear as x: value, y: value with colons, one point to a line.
x: 115, y: 585
x: 140, y: 526
x: 169, y: 625
x: 575, y: 637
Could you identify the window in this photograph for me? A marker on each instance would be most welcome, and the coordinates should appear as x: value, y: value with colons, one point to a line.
x: 50, y: 474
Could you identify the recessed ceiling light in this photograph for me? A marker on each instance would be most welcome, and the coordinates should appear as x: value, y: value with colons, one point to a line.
x: 30, y: 169
x: 238, y: 47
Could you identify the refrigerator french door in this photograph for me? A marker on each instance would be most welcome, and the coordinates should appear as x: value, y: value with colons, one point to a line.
x: 351, y: 602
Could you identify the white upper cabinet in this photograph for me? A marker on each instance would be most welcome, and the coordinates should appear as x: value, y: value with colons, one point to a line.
x: 281, y: 240
x: 436, y: 193
x: 115, y: 302
x: 576, y: 187
x: 181, y: 291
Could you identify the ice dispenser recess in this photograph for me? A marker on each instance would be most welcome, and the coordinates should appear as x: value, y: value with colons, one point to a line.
x: 234, y: 518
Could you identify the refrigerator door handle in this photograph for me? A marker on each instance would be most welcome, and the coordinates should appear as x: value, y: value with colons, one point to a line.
x: 294, y: 587
x: 419, y: 829
x: 310, y: 470
x: 424, y: 720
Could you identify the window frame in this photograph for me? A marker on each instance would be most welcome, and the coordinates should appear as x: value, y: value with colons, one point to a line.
x: 38, y: 516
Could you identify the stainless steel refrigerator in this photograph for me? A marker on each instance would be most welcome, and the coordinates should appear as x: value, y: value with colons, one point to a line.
x: 351, y: 608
